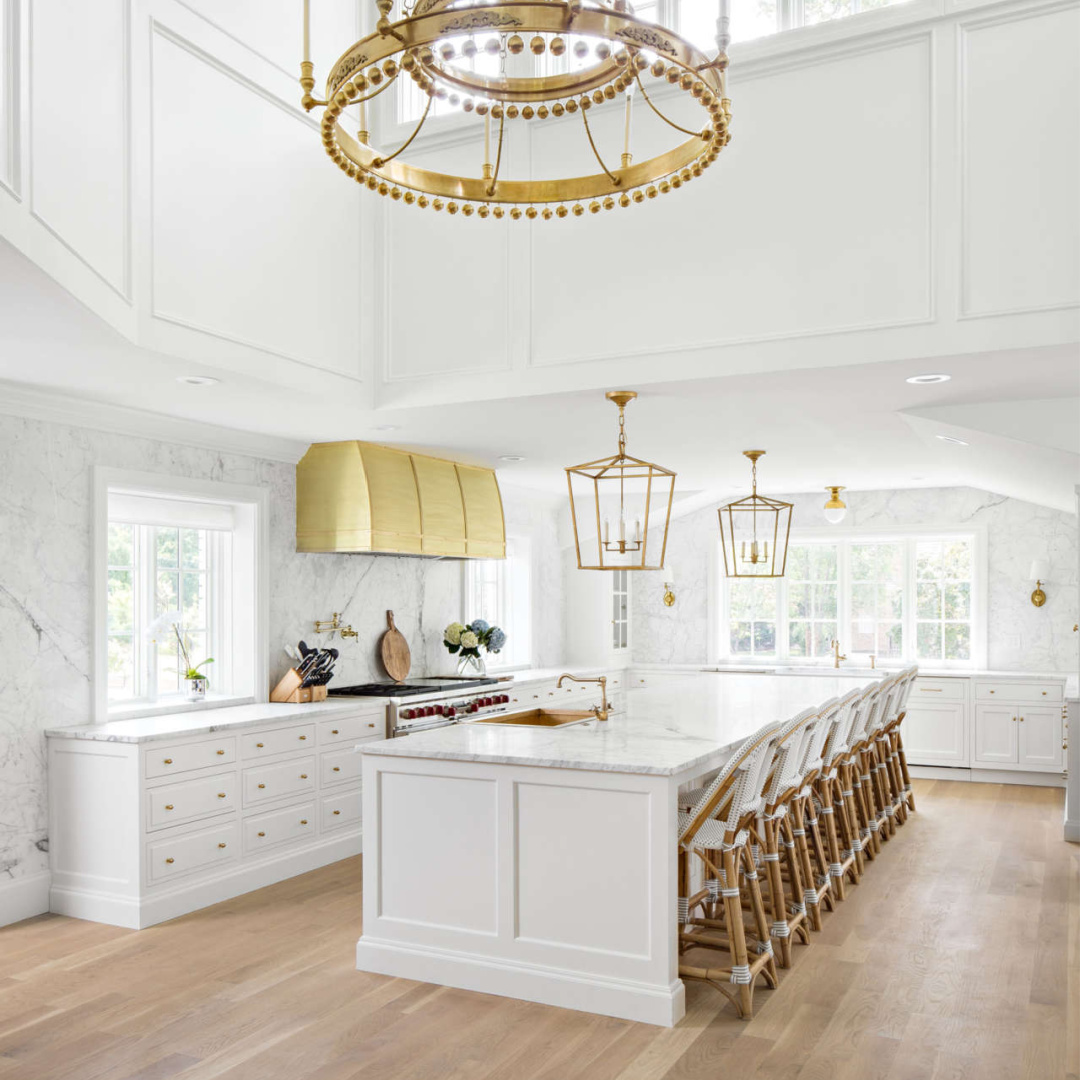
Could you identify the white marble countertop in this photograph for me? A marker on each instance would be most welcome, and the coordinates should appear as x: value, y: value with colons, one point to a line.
x: 685, y: 724
x: 857, y: 670
x: 170, y: 726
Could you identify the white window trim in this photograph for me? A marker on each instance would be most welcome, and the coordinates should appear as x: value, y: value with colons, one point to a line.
x: 522, y: 627
x: 248, y: 499
x: 719, y: 640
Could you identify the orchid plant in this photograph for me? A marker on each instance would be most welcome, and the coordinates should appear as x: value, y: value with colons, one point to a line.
x: 173, y: 621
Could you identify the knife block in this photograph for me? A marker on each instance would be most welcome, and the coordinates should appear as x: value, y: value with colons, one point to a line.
x: 290, y: 690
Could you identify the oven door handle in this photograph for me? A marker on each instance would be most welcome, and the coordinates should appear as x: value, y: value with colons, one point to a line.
x: 441, y: 722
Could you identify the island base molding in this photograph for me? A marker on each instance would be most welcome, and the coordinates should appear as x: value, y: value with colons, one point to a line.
x: 982, y: 775
x: 664, y: 1006
x: 99, y: 904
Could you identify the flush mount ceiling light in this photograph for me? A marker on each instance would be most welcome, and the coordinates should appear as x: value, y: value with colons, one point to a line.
x: 474, y: 55
x: 617, y: 496
x: 952, y: 439
x: 754, y: 532
x: 388, y: 427
x: 511, y: 457
x: 197, y: 380
x: 835, y: 507
x: 928, y: 380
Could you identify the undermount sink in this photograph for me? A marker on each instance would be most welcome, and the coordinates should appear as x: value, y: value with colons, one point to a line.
x: 541, y: 718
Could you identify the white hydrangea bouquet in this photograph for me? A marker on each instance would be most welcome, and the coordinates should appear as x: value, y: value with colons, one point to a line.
x: 468, y: 639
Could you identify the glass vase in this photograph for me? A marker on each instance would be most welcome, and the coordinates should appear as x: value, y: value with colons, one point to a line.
x: 471, y: 667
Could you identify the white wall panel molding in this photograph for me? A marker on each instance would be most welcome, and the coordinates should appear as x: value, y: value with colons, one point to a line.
x: 248, y: 294
x: 1016, y: 72
x: 90, y: 138
x: 10, y: 116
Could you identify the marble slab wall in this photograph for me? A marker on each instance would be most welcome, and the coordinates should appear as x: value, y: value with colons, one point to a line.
x: 46, y: 595
x: 1020, y: 637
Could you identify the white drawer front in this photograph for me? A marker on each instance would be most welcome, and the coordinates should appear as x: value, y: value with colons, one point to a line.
x: 266, y: 782
x: 931, y: 690
x: 352, y: 728
x: 194, y: 851
x: 278, y: 827
x: 191, y: 799
x: 1038, y: 693
x: 340, y: 810
x: 338, y: 766
x: 201, y: 755
x: 277, y: 741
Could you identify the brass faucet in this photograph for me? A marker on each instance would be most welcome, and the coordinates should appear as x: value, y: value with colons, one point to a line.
x: 600, y: 711
x: 836, y: 653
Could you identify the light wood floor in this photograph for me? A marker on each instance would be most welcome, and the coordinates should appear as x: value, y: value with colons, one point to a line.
x: 958, y: 956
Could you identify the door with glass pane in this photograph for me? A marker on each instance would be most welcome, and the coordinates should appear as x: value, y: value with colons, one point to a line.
x: 620, y: 611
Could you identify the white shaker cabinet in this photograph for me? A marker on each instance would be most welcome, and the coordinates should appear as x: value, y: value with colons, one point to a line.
x: 1040, y: 742
x: 997, y: 734
x: 936, y: 734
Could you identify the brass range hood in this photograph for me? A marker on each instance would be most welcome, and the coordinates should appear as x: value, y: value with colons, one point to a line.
x: 359, y: 497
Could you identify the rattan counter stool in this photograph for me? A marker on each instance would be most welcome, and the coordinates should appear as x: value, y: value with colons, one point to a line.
x: 903, y: 794
x: 856, y: 793
x: 716, y: 833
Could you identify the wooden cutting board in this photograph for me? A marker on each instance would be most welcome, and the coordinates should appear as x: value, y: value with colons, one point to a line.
x: 395, y: 651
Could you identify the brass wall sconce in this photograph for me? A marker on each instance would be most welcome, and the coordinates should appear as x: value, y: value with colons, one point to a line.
x: 669, y: 591
x: 1039, y: 570
x: 333, y: 625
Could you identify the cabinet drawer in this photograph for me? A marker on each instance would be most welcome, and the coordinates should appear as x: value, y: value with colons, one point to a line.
x: 172, y: 804
x: 278, y: 827
x: 340, y: 810
x: 337, y: 766
x: 266, y: 782
x: 1038, y: 693
x: 277, y: 741
x: 194, y: 851
x: 352, y: 728
x: 177, y: 759
x: 931, y: 690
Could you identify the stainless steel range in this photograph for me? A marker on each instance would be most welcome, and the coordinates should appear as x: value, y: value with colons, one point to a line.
x: 424, y: 704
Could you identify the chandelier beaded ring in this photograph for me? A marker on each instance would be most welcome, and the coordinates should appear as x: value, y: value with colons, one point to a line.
x: 432, y: 34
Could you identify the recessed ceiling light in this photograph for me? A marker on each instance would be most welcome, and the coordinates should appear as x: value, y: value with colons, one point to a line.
x: 388, y: 427
x: 926, y: 380
x: 951, y: 439
x: 511, y: 457
x: 197, y: 380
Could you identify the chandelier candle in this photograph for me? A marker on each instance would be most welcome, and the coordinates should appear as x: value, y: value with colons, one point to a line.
x: 534, y: 83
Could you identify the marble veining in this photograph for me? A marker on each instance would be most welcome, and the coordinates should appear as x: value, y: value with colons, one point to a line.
x: 685, y: 724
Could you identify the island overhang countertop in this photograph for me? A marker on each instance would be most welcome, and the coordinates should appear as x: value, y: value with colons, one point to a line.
x: 665, y: 730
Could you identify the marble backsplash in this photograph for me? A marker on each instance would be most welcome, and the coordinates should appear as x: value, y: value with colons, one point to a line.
x: 1020, y: 636
x: 45, y: 595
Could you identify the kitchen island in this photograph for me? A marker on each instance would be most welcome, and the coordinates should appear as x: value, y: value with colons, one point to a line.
x: 540, y: 863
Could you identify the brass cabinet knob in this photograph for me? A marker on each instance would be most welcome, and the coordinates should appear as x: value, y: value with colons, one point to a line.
x: 1044, y: 693
x: 221, y: 752
x: 993, y: 691
x: 371, y: 725
x: 259, y: 745
x: 303, y: 821
x: 169, y: 859
x: 337, y: 768
x: 303, y: 776
x: 221, y: 794
x: 262, y: 834
x: 336, y: 812
x: 221, y: 845
x: 1021, y: 719
x: 262, y: 785
x: 334, y: 731
x: 302, y: 738
x: 168, y: 806
x: 168, y: 761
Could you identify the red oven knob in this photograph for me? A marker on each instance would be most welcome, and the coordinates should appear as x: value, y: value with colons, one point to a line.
x: 406, y: 714
x: 440, y: 710
x: 473, y: 706
x: 450, y: 711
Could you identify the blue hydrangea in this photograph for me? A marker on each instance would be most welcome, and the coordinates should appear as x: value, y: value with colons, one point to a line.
x: 497, y: 640
x: 479, y: 626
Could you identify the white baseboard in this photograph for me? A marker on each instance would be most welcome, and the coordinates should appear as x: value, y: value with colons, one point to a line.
x: 158, y: 906
x: 24, y: 897
x: 986, y: 776
x: 1072, y: 831
x: 661, y: 1005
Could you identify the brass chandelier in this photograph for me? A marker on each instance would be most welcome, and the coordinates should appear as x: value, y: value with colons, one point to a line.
x: 435, y: 43
x: 618, y: 496
x: 754, y: 532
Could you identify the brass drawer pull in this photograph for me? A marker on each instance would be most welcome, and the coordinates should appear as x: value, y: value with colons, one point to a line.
x: 262, y: 834
x: 169, y: 859
x: 934, y: 689
x: 993, y: 691
x: 168, y: 806
x: 1044, y: 693
x: 303, y: 821
x: 336, y: 812
x: 221, y: 845
x: 221, y: 752
x: 221, y: 794
x: 371, y: 725
x: 262, y: 785
x: 258, y: 745
x: 302, y: 738
x: 337, y: 768
x: 303, y: 776
x: 168, y: 761
x: 334, y: 731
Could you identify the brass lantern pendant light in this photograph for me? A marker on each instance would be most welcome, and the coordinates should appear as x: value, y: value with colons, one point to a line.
x: 754, y: 532
x: 623, y: 498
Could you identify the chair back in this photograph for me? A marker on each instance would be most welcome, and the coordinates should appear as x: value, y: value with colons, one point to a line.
x: 814, y: 754
x: 790, y: 753
x: 839, y: 736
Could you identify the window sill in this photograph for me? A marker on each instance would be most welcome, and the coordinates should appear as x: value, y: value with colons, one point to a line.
x: 177, y: 705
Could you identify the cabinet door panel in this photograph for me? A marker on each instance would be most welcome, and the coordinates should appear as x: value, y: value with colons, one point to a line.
x: 935, y: 735
x: 1040, y: 738
x: 996, y: 734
